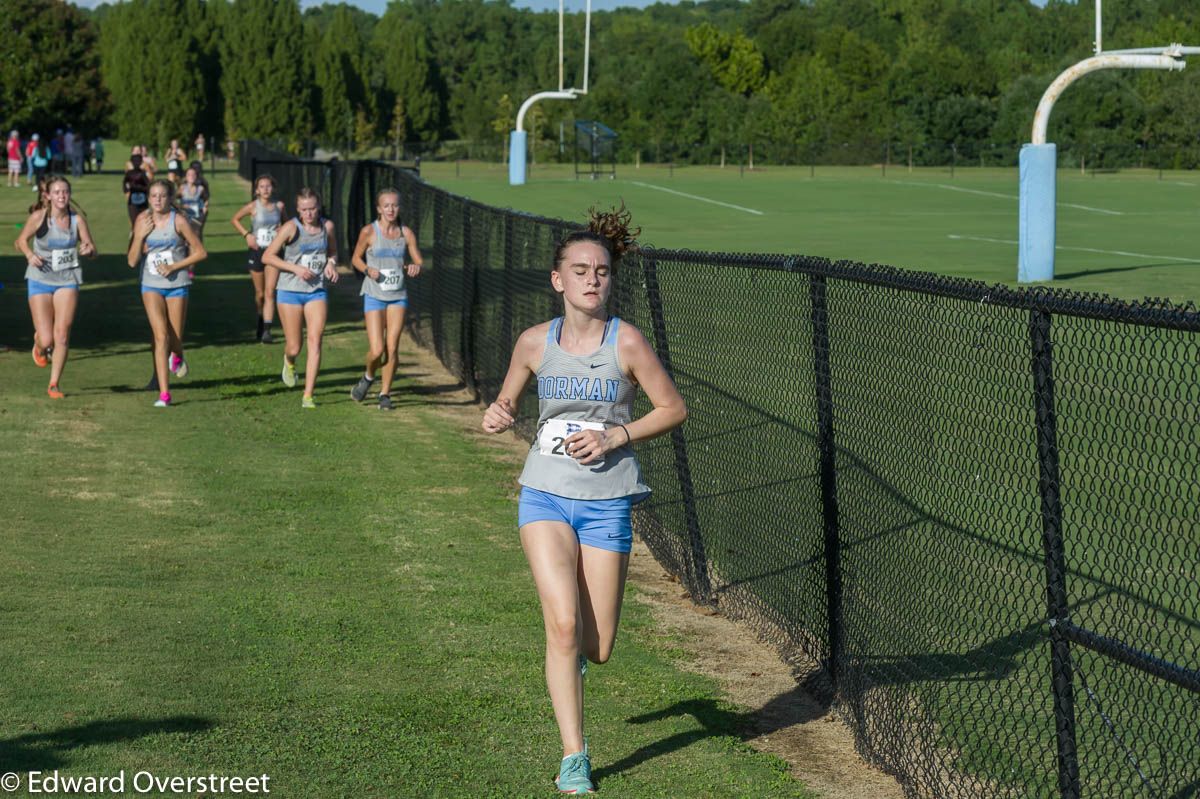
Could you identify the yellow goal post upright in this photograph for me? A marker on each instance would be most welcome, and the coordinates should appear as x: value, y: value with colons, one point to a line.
x: 517, y: 140
x: 1039, y: 159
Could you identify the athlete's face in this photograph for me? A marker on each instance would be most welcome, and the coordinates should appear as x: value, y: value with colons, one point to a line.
x: 307, y: 210
x: 584, y: 275
x: 190, y: 177
x: 60, y: 195
x: 159, y: 198
x: 263, y: 189
x: 388, y: 208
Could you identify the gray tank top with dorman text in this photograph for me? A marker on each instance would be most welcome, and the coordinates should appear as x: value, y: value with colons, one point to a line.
x: 192, y: 200
x: 164, y: 246
x: 576, y: 392
x: 386, y: 255
x: 307, y: 249
x: 59, y: 251
x: 264, y: 223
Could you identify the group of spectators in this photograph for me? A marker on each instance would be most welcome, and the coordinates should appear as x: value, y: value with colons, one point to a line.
x: 39, y: 157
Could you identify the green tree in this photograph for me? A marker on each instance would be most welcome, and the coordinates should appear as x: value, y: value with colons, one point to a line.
x: 399, y: 127
x: 152, y: 57
x: 50, y: 68
x: 266, y: 81
x: 408, y: 72
x: 341, y: 75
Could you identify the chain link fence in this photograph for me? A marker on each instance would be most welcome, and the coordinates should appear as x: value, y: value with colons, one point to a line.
x: 967, y: 514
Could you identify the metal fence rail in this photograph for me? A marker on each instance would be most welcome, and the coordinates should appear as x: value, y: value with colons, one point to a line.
x: 972, y: 510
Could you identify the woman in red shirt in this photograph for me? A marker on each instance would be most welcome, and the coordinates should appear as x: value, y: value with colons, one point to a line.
x: 14, y: 159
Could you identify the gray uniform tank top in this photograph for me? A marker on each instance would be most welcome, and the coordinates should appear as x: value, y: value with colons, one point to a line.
x: 264, y: 223
x: 583, y: 388
x: 57, y: 248
x: 386, y: 255
x: 192, y: 201
x: 164, y: 245
x: 307, y: 249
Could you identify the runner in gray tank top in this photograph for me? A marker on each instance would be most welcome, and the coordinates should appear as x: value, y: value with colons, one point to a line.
x: 264, y: 225
x: 53, y: 239
x: 379, y: 255
x: 163, y: 249
x: 308, y: 262
x: 580, y: 476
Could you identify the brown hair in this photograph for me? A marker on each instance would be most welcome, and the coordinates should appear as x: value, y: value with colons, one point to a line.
x: 388, y: 190
x: 304, y: 194
x: 610, y: 229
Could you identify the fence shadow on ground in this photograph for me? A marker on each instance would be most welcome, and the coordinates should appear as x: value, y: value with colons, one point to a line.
x: 48, y: 750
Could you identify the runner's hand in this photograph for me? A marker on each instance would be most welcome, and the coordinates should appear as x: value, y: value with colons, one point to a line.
x: 587, y: 446
x: 499, y: 416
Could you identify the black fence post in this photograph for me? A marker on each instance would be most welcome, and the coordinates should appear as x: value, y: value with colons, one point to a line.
x: 828, y: 469
x: 698, y: 561
x: 1062, y: 679
x: 468, y: 304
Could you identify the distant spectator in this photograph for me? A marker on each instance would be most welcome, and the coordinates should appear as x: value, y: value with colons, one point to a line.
x: 41, y: 161
x: 56, y: 153
x: 98, y: 153
x: 29, y: 148
x: 14, y: 159
x: 73, y: 146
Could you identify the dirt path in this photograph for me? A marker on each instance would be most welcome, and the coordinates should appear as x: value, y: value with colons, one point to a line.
x: 784, y: 719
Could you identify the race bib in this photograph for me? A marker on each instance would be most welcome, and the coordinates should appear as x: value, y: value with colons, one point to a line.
x: 264, y: 236
x: 391, y: 279
x: 156, y: 260
x: 173, y: 165
x: 555, y: 432
x: 137, y: 198
x: 314, y: 262
x: 62, y: 260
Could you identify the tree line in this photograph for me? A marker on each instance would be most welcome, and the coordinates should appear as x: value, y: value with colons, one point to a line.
x: 789, y: 77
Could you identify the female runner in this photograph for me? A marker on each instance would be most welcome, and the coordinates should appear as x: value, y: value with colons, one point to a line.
x: 136, y: 187
x: 193, y: 198
x: 307, y: 262
x: 379, y: 255
x: 268, y: 214
x: 52, y: 239
x: 175, y: 158
x: 164, y: 246
x: 581, y: 477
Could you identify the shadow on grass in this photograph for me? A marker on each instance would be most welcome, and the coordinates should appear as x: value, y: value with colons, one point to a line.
x: 43, y: 751
x: 808, y: 701
x: 1091, y: 272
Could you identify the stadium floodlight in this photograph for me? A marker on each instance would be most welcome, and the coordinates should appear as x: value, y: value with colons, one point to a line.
x: 516, y: 147
x: 1039, y: 159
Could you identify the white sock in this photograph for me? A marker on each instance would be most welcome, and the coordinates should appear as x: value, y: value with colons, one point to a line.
x: 368, y: 378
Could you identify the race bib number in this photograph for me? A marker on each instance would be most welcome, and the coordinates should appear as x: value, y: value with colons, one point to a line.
x: 173, y: 166
x: 137, y: 198
x: 264, y: 236
x: 391, y: 279
x: 555, y: 432
x: 156, y: 260
x: 62, y: 260
x: 314, y: 262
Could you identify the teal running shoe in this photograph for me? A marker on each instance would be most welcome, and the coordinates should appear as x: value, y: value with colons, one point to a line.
x: 575, y: 773
x: 582, y: 665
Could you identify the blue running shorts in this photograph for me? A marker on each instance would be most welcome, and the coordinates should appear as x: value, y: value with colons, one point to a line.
x: 182, y: 291
x: 372, y: 304
x: 299, y: 297
x: 599, y: 523
x: 36, y: 288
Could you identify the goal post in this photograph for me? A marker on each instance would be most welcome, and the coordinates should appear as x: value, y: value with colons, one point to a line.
x: 518, y: 140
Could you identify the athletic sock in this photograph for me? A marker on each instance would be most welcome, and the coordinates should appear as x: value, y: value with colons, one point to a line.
x: 368, y: 378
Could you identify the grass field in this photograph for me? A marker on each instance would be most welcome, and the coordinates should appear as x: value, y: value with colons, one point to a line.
x: 335, y: 599
x: 1126, y: 234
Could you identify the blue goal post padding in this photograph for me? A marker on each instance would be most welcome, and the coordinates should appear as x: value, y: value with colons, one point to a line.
x: 516, y: 158
x: 1038, y: 205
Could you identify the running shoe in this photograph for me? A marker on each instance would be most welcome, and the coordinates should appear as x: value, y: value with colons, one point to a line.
x: 40, y: 359
x: 575, y: 773
x: 54, y: 392
x: 164, y: 400
x: 359, y: 392
x: 307, y: 402
x: 582, y: 665
x: 267, y: 338
x: 289, y: 373
x: 385, y: 402
x: 183, y: 369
